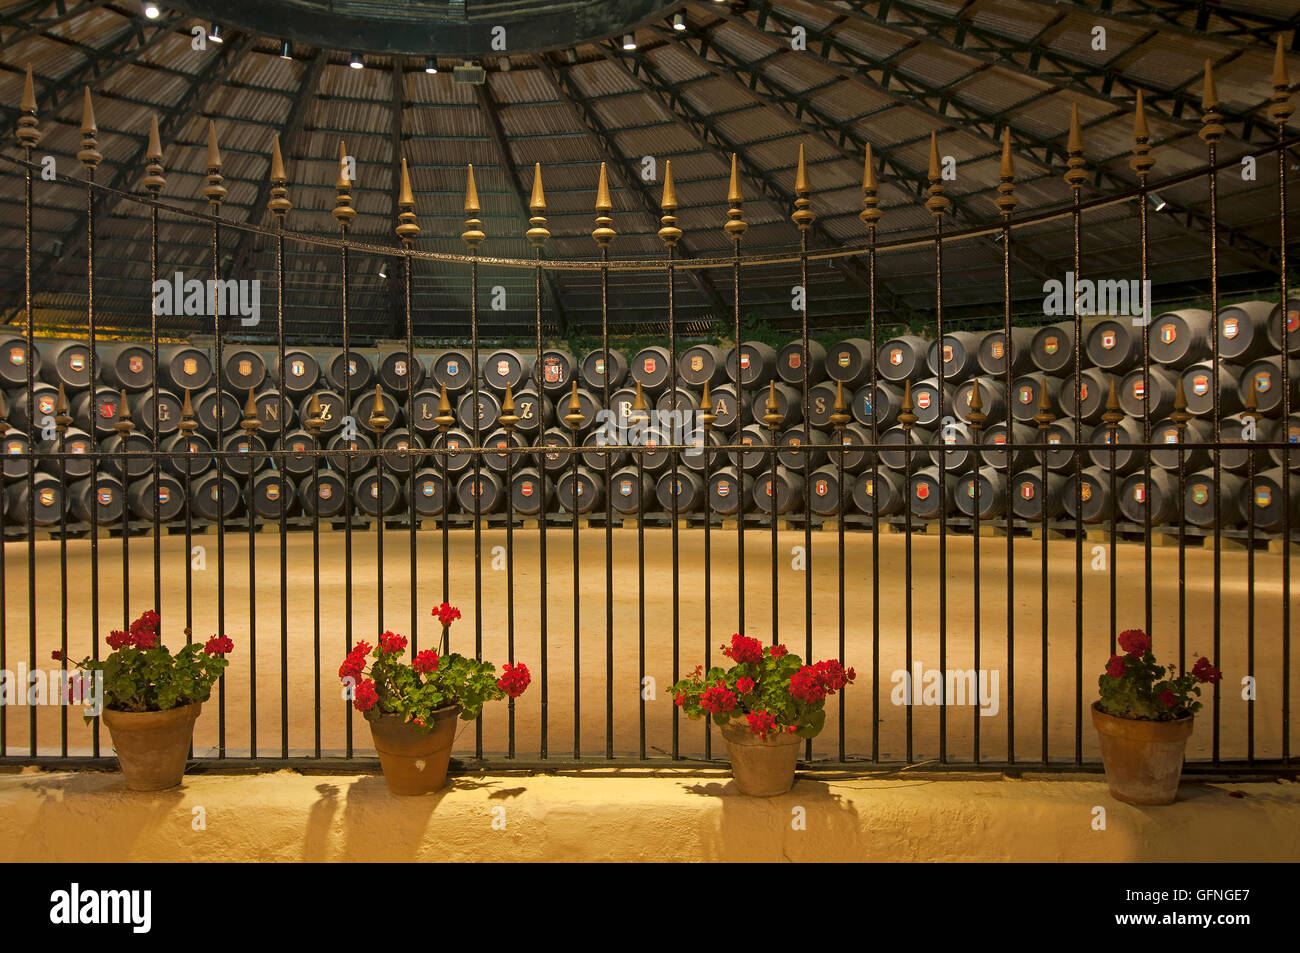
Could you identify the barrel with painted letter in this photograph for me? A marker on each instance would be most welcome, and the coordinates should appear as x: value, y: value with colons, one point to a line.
x: 331, y: 408
x: 535, y: 413
x: 275, y: 411
x: 363, y: 407
x: 206, y: 410
x: 726, y: 407
x: 169, y: 412
x: 488, y: 410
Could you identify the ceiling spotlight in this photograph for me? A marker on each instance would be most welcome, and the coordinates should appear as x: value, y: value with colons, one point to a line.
x: 284, y: 50
x: 430, y: 64
x: 504, y: 64
x: 1157, y: 202
x: 629, y: 41
x: 214, y: 34
x: 383, y: 271
x: 679, y: 21
x: 151, y: 11
x: 355, y: 61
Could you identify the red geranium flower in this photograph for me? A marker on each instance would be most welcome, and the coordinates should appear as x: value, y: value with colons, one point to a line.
x: 392, y: 642
x: 812, y: 683
x: 743, y: 649
x: 118, y: 639
x: 679, y: 700
x: 744, y: 685
x: 1115, y: 667
x: 514, y: 679
x: 761, y: 722
x: 447, y: 614
x: 425, y: 662
x: 1167, y: 698
x: 1203, y: 671
x: 355, y: 662
x: 717, y: 698
x: 57, y: 655
x: 1135, y: 642
x: 777, y: 651
x: 366, y: 697
x: 219, y: 645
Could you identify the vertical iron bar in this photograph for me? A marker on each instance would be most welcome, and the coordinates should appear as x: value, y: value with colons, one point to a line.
x: 1279, y: 111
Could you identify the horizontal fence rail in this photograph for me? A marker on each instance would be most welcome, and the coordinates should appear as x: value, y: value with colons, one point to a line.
x: 969, y: 518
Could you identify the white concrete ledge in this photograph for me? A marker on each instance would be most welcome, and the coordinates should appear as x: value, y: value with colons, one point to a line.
x: 633, y: 816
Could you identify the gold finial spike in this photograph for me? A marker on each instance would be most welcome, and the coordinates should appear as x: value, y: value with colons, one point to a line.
x: 1044, y: 417
x: 62, y: 419
x: 735, y: 225
x: 773, y: 417
x: 153, y: 170
x: 1212, y: 129
x: 29, y: 136
x: 976, y: 416
x: 89, y: 154
x: 1142, y: 160
x: 1179, y: 415
x: 508, y: 418
x: 871, y: 212
x: 574, y: 418
x: 343, y: 211
x: 1077, y: 174
x: 840, y: 416
x: 638, y: 413
x: 379, y: 420
x: 537, y: 232
x: 123, y: 425
x: 1114, y: 414
x: 803, y: 215
x: 706, y: 415
x: 1279, y: 107
x: 187, y: 422
x: 473, y: 235
x: 250, y: 412
x: 604, y: 231
x: 314, y: 422
x: 444, y: 420
x: 407, y: 229
x: 213, y: 190
x: 279, y: 203
x: 1006, y: 198
x: 937, y: 203
x: 905, y: 415
x: 669, y: 233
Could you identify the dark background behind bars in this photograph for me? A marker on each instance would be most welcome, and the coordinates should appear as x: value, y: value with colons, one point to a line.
x: 663, y: 277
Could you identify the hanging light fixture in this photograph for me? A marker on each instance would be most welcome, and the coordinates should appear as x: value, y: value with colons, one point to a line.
x: 1157, y: 202
x: 214, y: 34
x: 679, y: 21
x: 430, y: 64
x: 355, y: 61
x: 285, y: 54
x: 151, y: 11
x: 383, y: 271
x: 629, y: 41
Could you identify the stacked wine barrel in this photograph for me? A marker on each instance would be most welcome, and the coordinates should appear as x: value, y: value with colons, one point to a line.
x: 322, y: 426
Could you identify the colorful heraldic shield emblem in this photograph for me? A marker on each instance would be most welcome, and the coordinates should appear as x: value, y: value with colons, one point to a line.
x: 46, y: 404
x: 1167, y: 333
x: 1200, y: 493
x: 600, y: 366
x: 526, y: 488
x: 896, y: 356
x: 326, y: 491
x: 822, y: 488
x: 399, y: 368
x: 190, y: 366
x: 297, y: 368
x: 453, y: 368
x: 1200, y: 385
x: 552, y: 372
x: 1026, y: 395
x: 724, y: 488
x: 17, y: 356
x: 845, y: 359
x: 136, y: 363
x: 1051, y: 345
x: 245, y: 368
x: 1293, y: 320
x: 105, y: 496
x: 46, y: 497
x: 1139, y: 492
x: 1027, y: 490
x: 923, y: 399
x: 624, y: 487
x: 77, y: 362
x: 1231, y: 327
x: 1138, y: 390
x: 503, y: 368
x: 429, y: 488
x: 795, y: 361
x: 650, y: 365
x: 744, y: 362
x: 923, y: 491
x: 697, y: 362
x: 1263, y: 496
x: 997, y: 349
x: 1171, y: 436
x: 1085, y: 491
x: 1263, y: 381
x: 1108, y: 339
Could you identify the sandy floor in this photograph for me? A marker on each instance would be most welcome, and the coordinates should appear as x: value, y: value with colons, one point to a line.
x: 490, y: 610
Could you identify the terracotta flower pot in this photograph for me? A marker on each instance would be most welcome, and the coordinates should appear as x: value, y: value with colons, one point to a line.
x: 761, y: 768
x: 414, y: 760
x: 152, y: 746
x: 1143, y: 759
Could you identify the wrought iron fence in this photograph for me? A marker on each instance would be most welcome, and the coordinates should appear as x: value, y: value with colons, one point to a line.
x: 998, y: 466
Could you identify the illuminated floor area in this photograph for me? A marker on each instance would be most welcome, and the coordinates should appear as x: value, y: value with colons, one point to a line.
x: 1021, y: 695
x: 284, y: 816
